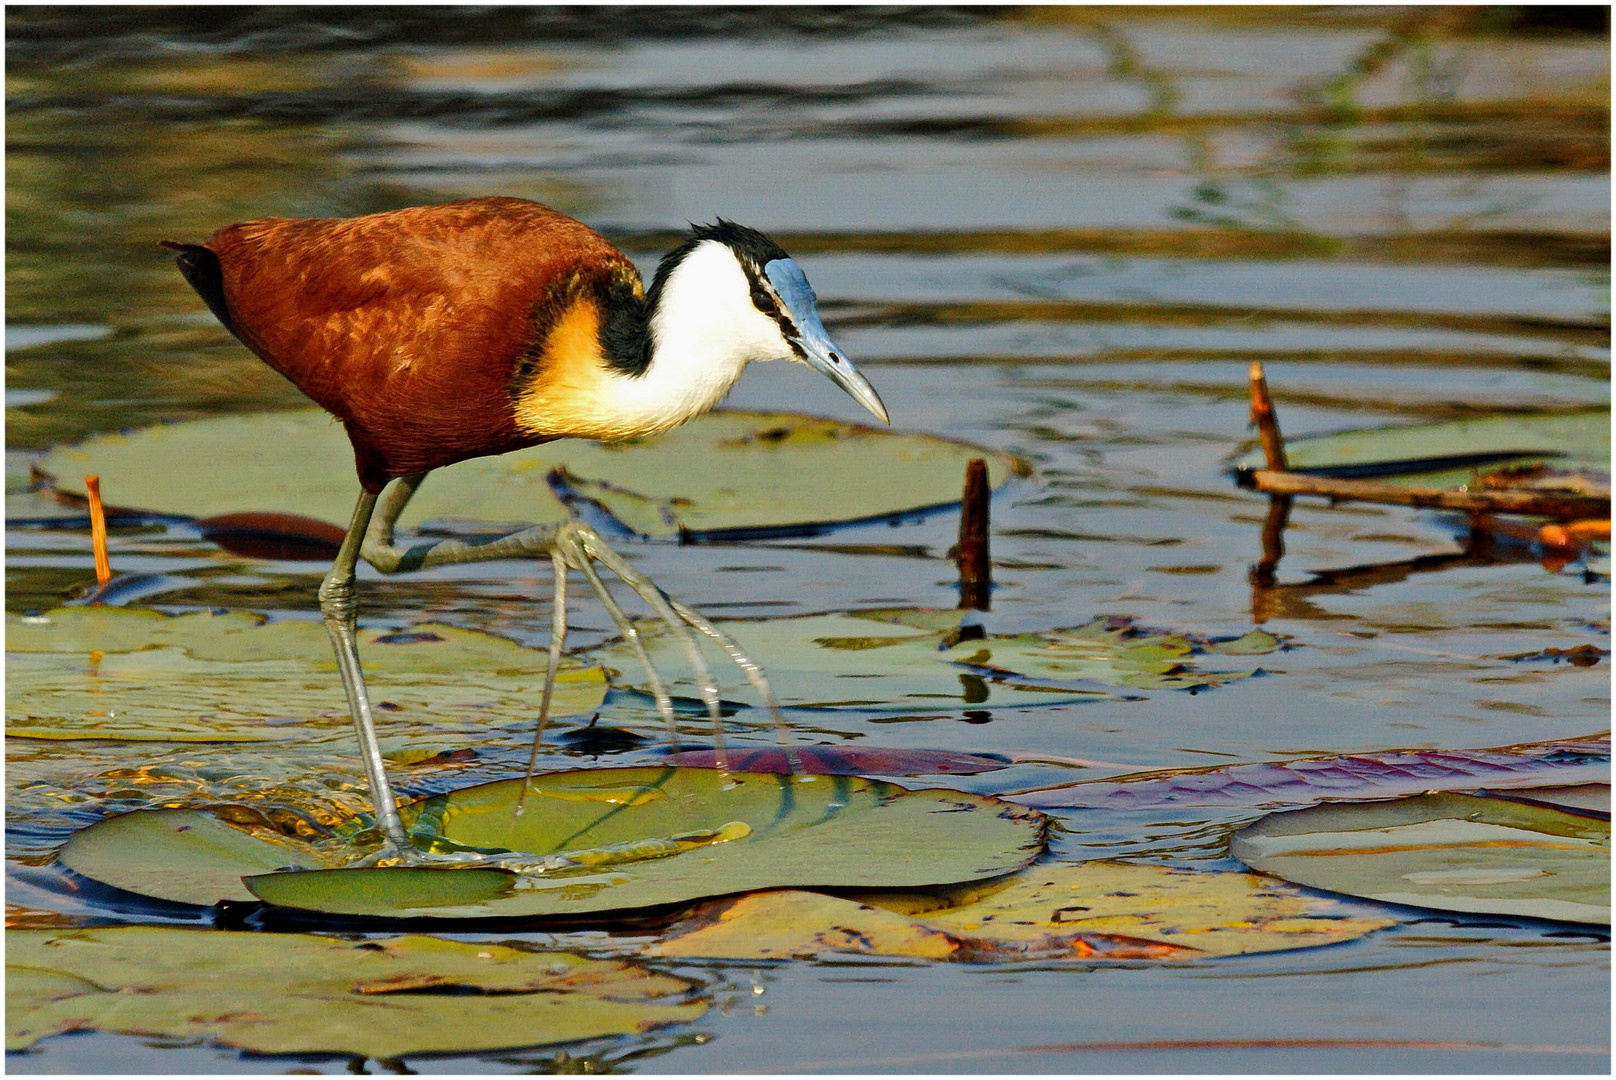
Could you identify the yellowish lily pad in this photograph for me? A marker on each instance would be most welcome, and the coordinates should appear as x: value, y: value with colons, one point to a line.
x: 1100, y: 910
x: 1215, y: 913
x: 788, y: 924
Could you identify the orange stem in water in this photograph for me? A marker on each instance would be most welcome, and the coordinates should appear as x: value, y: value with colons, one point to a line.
x: 98, y: 530
x: 1573, y: 534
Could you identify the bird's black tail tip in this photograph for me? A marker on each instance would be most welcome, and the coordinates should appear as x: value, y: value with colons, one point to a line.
x: 201, y: 269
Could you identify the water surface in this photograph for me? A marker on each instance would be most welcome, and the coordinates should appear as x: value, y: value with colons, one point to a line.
x: 1060, y: 233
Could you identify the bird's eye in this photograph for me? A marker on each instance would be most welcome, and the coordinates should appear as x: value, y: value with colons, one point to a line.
x: 762, y: 300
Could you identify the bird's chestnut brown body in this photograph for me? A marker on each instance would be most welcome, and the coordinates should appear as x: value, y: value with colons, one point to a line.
x: 418, y: 328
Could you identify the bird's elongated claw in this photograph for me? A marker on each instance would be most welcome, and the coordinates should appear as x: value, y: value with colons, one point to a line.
x: 575, y: 546
x: 389, y: 855
x: 631, y: 634
x: 653, y: 595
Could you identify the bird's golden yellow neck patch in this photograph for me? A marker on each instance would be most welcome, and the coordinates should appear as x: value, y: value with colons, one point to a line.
x: 571, y: 391
x: 568, y: 385
x: 559, y: 384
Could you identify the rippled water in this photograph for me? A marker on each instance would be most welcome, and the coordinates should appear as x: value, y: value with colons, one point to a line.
x: 1058, y: 232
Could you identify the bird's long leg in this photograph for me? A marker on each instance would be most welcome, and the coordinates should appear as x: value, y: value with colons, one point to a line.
x: 649, y: 591
x: 381, y: 552
x: 340, y: 611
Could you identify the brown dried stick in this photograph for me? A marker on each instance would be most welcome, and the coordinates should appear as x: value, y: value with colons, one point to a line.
x: 1559, y: 505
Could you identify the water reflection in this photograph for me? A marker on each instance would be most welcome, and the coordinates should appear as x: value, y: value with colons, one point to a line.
x: 1060, y: 232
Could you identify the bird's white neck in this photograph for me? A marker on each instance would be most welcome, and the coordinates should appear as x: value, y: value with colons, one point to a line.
x: 704, y: 331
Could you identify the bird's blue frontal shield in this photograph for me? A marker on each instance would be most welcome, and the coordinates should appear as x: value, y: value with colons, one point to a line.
x: 819, y: 352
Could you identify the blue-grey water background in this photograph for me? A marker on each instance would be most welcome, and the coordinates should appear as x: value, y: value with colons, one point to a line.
x: 1060, y: 232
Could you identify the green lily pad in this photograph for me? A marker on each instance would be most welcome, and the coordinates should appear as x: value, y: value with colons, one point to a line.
x: 1577, y: 442
x: 599, y: 840
x: 120, y: 673
x: 1445, y: 851
x: 296, y: 993
x: 901, y: 661
x: 721, y: 472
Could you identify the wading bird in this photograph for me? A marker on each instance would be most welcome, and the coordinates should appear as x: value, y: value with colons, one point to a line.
x: 441, y: 333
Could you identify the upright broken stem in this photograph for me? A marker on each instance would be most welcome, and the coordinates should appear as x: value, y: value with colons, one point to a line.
x: 975, y: 568
x: 1264, y: 420
x: 98, y: 530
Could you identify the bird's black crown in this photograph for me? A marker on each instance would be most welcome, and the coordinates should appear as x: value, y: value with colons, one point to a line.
x: 754, y: 249
x: 748, y: 243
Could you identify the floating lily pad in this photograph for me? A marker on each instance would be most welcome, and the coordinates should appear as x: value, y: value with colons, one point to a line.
x: 606, y: 840
x: 119, y: 673
x: 1448, y: 851
x: 901, y: 661
x: 1106, y: 910
x: 1454, y: 452
x: 722, y: 472
x: 295, y: 993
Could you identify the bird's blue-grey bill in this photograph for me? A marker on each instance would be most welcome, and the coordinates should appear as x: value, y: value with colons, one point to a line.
x: 819, y: 351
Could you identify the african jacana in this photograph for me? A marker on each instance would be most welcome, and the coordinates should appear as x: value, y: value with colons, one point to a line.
x: 441, y: 333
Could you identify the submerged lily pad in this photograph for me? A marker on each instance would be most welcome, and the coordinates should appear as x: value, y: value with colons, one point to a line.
x: 1103, y: 910
x: 120, y: 673
x: 846, y: 761
x: 1451, y: 852
x: 599, y: 840
x: 902, y: 660
x: 296, y: 993
x: 1305, y: 780
x: 1453, y: 452
x: 722, y: 472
